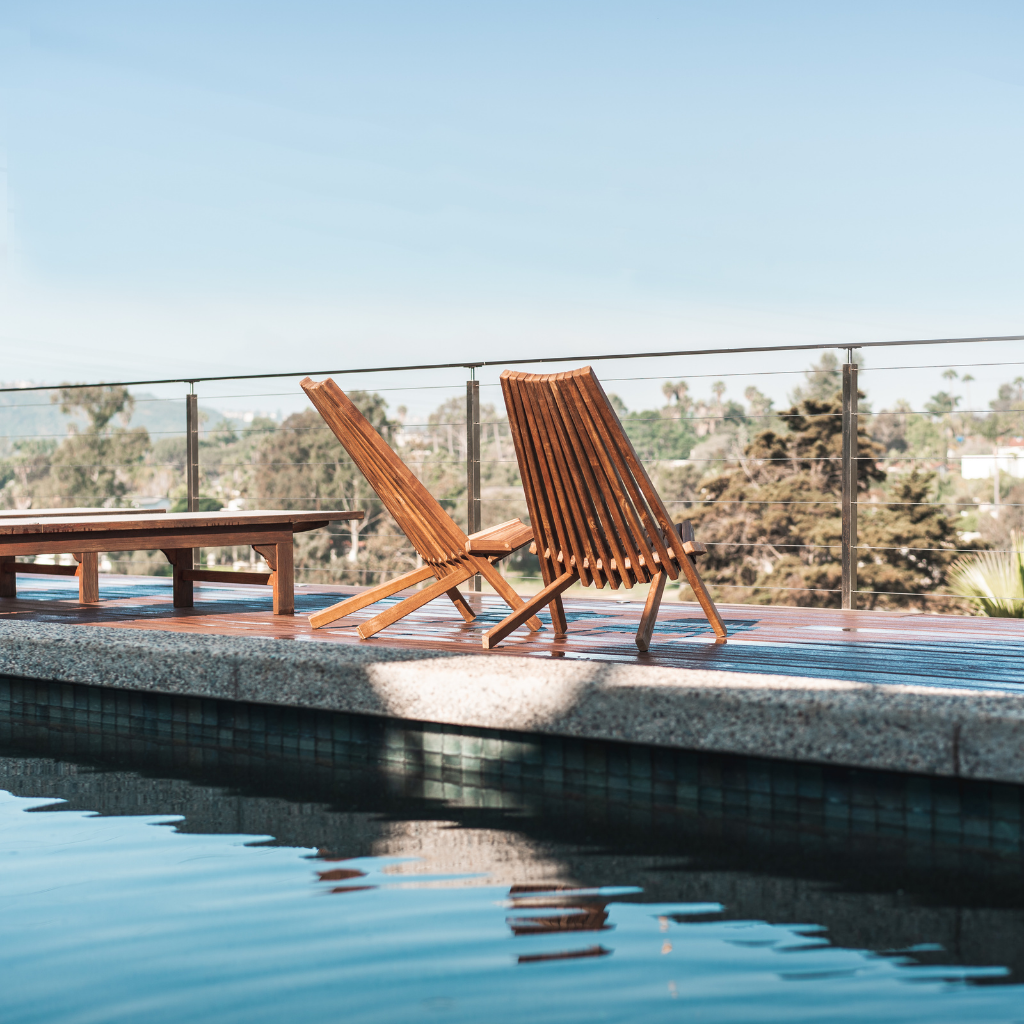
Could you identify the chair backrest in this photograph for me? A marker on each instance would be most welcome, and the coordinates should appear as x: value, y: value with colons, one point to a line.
x: 591, y: 502
x: 430, y: 529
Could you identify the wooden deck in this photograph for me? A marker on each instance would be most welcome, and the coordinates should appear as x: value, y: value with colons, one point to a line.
x: 877, y: 647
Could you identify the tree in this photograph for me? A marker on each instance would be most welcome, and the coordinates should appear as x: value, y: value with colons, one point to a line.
x: 29, y: 472
x: 1007, y: 417
x: 942, y: 406
x: 889, y: 428
x: 774, y: 521
x: 301, y: 465
x: 677, y: 394
x: 659, y: 435
x: 97, y: 466
x: 821, y: 381
x: 942, y: 403
x: 760, y: 404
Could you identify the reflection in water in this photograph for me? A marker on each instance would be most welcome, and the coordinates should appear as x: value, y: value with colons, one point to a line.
x: 495, y: 909
x: 587, y: 912
x: 341, y: 875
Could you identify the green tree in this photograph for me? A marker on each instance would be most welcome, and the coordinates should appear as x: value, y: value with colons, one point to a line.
x: 99, y: 465
x: 301, y: 465
x: 1007, y: 416
x: 659, y: 434
x: 821, y: 381
x: 889, y: 428
x: 942, y: 407
x: 664, y: 434
x: 774, y: 520
x: 28, y: 472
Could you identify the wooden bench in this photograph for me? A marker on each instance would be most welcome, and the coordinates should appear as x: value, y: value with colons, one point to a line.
x: 86, y: 591
x: 270, y: 534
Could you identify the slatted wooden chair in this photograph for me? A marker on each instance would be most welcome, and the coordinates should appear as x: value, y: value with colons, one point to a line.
x: 449, y: 555
x: 596, y: 516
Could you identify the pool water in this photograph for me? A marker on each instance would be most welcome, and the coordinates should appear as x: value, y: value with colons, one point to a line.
x: 128, y: 918
x: 141, y: 886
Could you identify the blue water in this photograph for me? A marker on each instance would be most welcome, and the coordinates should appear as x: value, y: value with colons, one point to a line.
x: 129, y: 918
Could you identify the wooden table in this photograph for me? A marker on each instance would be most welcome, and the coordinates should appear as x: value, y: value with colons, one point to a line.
x: 269, y: 533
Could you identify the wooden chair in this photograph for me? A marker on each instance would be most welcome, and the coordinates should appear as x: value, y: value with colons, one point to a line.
x: 449, y: 555
x: 595, y: 513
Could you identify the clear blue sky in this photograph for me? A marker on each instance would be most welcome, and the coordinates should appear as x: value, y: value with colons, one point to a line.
x: 210, y: 187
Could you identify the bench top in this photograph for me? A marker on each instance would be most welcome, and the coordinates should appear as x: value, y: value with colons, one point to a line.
x: 169, y: 522
x: 48, y: 513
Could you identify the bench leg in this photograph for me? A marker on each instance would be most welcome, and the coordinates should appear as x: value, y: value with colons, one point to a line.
x: 284, y: 578
x: 88, y: 574
x: 181, y: 560
x: 8, y: 580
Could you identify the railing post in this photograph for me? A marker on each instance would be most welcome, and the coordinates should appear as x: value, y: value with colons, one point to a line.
x: 473, y: 460
x: 849, y: 481
x: 192, y: 453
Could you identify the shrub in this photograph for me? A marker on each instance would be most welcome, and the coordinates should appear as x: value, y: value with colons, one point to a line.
x: 993, y: 580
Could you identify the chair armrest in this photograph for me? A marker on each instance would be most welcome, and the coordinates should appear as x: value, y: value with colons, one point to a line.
x: 691, y: 545
x: 499, y: 540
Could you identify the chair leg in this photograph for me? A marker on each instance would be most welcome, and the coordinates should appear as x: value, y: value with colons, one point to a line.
x: 456, y: 598
x: 371, y: 596
x: 503, y: 590
x: 410, y: 604
x: 650, y: 615
x: 558, y: 620
x: 494, y: 636
x: 706, y: 603
x: 461, y: 603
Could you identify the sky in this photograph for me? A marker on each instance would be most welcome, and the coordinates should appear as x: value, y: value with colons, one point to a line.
x: 194, y: 189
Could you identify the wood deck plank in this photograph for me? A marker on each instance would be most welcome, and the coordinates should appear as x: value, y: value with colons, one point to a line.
x: 882, y: 647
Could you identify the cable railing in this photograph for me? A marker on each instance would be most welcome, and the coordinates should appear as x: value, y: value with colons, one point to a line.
x: 468, y: 462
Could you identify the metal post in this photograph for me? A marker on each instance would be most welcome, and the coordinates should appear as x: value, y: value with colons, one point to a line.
x: 192, y: 454
x: 849, y: 481
x: 473, y: 460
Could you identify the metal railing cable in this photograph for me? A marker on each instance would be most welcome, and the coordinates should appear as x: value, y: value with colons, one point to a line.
x: 536, y: 361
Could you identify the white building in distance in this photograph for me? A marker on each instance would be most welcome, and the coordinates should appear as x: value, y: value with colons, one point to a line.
x: 1009, y: 460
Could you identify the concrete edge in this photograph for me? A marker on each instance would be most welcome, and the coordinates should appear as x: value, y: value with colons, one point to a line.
x: 945, y: 731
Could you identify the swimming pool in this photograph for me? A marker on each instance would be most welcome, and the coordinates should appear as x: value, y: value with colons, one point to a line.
x: 143, y: 886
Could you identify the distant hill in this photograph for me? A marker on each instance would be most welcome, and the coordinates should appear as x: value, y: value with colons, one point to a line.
x: 31, y: 414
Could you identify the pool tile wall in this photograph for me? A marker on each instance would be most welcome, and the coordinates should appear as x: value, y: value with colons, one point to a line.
x: 638, y: 787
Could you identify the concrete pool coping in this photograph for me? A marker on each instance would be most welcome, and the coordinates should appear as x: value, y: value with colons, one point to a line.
x: 934, y: 730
